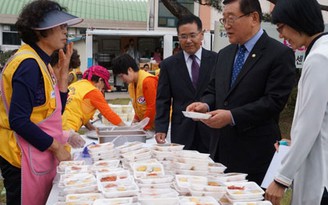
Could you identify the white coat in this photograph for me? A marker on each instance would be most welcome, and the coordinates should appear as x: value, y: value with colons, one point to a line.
x: 306, y: 164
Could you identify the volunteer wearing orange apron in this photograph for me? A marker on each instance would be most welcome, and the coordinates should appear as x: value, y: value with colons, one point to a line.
x: 32, y: 94
x: 142, y: 88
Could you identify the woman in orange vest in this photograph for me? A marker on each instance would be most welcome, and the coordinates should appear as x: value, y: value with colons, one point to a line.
x: 85, y: 97
x: 142, y: 88
x: 32, y: 96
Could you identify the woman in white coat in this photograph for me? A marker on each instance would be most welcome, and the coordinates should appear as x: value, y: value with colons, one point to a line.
x: 305, y: 167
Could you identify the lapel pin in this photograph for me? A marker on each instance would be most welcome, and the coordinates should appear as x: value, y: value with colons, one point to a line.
x: 253, y: 55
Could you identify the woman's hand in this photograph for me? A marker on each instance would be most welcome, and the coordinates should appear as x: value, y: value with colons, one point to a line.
x: 61, y: 69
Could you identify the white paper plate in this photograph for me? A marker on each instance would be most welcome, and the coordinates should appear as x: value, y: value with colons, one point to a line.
x: 196, y: 115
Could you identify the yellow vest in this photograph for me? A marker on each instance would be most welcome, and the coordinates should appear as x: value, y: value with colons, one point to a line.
x: 78, y: 111
x: 138, y: 100
x: 77, y: 74
x: 9, y: 148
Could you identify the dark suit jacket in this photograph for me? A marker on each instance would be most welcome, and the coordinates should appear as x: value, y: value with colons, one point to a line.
x: 175, y: 88
x: 255, y: 101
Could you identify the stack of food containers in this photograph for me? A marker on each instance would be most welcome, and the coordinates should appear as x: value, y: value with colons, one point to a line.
x: 126, y: 113
x: 207, y: 200
x: 253, y: 203
x: 102, y: 151
x: 191, y: 162
x: 117, y: 184
x: 133, y: 151
x: 142, y: 180
x: 164, y: 153
x: 243, y: 192
x: 153, y: 173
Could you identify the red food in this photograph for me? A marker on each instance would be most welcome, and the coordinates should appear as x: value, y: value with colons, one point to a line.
x: 109, y: 178
x: 236, y: 187
x: 110, y: 185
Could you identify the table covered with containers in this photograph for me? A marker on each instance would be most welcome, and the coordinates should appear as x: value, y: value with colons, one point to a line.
x: 121, y: 166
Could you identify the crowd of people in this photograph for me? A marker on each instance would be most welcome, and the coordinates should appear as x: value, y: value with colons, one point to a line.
x: 45, y: 99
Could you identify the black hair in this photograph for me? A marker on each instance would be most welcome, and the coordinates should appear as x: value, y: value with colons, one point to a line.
x: 30, y: 17
x: 302, y: 15
x: 122, y: 63
x: 189, y: 19
x: 74, y: 62
x: 247, y: 6
x: 95, y: 78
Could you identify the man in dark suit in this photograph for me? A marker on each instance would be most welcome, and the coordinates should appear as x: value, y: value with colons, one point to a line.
x: 245, y: 104
x: 182, y: 80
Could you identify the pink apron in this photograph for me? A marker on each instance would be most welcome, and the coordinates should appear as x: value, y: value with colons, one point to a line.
x: 39, y: 168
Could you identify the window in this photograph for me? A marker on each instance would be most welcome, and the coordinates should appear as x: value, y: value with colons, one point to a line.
x: 166, y: 19
x: 10, y: 35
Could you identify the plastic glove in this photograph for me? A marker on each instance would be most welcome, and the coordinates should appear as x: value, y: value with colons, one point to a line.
x: 75, y: 140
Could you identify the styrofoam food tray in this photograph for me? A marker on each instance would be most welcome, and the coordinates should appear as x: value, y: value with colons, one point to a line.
x: 216, y: 168
x: 253, y: 203
x: 156, y: 180
x: 196, y: 115
x: 244, y: 190
x: 106, y: 163
x: 168, y: 147
x: 63, y: 164
x: 113, y: 176
x: 147, y: 170
x: 83, y: 197
x: 114, y: 201
x: 123, y: 189
x: 129, y: 146
x: 208, y: 200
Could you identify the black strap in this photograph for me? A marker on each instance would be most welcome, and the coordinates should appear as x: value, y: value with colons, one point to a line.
x: 311, y: 44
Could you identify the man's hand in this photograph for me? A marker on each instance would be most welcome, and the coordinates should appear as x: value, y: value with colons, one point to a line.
x: 219, y: 119
x: 197, y: 107
x: 274, y: 193
x: 160, y: 137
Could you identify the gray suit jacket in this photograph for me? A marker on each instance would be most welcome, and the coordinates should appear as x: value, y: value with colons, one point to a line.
x: 175, y: 88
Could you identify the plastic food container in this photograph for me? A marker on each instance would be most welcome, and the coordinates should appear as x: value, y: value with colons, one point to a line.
x: 83, y: 197
x: 77, y: 169
x: 244, y: 190
x: 192, y: 154
x: 206, y: 200
x: 168, y: 147
x: 216, y: 168
x: 233, y: 176
x: 122, y: 136
x: 106, y: 163
x: 142, y: 170
x: 63, y: 164
x: 113, y: 176
x: 129, y: 146
x: 119, y: 189
x: 115, y: 201
x: 253, y: 203
x: 156, y: 180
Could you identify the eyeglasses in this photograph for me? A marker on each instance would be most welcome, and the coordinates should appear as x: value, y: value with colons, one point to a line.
x: 280, y: 27
x: 231, y: 19
x: 186, y: 36
x: 63, y: 26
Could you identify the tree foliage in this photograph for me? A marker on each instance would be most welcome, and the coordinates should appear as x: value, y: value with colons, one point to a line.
x: 179, y: 10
